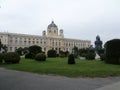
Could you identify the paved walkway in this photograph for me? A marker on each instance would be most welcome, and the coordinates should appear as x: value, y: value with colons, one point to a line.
x: 115, y: 86
x: 16, y: 80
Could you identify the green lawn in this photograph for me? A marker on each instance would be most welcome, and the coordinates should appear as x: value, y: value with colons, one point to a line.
x: 59, y: 66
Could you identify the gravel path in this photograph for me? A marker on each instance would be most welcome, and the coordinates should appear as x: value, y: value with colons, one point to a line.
x: 17, y: 80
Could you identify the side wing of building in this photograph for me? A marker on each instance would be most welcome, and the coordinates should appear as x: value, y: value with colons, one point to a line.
x: 69, y: 44
x: 14, y: 41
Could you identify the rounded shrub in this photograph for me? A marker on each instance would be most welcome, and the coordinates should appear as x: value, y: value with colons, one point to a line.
x: 102, y: 57
x: 52, y: 53
x: 29, y: 56
x: 83, y: 52
x: 66, y: 53
x: 35, y: 49
x: 113, y: 51
x: 40, y: 57
x: 1, y: 57
x: 11, y: 57
x: 101, y: 51
x: 90, y: 56
x: 71, y: 59
x: 83, y: 55
x: 19, y: 51
x: 61, y: 54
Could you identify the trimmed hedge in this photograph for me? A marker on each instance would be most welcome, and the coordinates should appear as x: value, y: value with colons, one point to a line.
x: 101, y: 51
x: 11, y: 57
x: 83, y: 52
x: 35, y: 49
x: 29, y: 56
x: 113, y: 51
x: 61, y: 54
x: 90, y: 56
x: 40, y: 57
x: 102, y: 57
x: 71, y: 59
x: 1, y: 57
x: 52, y: 53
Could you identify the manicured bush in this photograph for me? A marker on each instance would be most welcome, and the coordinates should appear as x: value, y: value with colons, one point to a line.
x: 25, y: 50
x: 71, y: 59
x: 19, y: 51
x: 75, y: 51
x: 76, y: 55
x: 32, y: 51
x: 1, y: 57
x: 91, y: 51
x: 40, y: 57
x: 113, y: 51
x: 66, y: 53
x: 102, y: 57
x: 83, y: 52
x: 52, y: 53
x: 35, y: 49
x: 11, y: 57
x: 90, y: 56
x: 29, y: 56
x: 83, y: 55
x: 61, y: 54
x: 101, y: 51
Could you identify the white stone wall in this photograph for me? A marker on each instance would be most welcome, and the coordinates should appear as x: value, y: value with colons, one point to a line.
x: 4, y: 38
x: 14, y: 41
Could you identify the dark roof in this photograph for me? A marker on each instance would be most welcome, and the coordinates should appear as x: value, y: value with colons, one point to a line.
x: 52, y: 25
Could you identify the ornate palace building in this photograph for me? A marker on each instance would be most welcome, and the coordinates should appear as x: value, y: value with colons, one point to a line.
x: 52, y: 39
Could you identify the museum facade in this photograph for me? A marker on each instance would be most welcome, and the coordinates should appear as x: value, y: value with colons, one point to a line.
x: 50, y: 39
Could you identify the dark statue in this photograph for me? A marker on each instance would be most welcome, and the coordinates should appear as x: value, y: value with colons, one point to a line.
x: 98, y: 43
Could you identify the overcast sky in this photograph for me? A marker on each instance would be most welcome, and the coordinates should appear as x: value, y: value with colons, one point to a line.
x: 80, y: 19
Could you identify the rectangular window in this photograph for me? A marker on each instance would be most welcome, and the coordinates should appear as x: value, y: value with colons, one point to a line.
x: 10, y: 48
x: 37, y: 42
x: 15, y: 48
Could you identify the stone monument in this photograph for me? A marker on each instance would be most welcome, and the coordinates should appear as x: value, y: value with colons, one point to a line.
x: 98, y: 43
x: 98, y: 46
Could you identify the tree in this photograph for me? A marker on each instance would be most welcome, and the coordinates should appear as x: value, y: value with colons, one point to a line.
x: 35, y: 49
x: 19, y: 51
x: 5, y: 48
x: 25, y: 50
x: 61, y: 54
x: 90, y: 54
x: 83, y: 52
